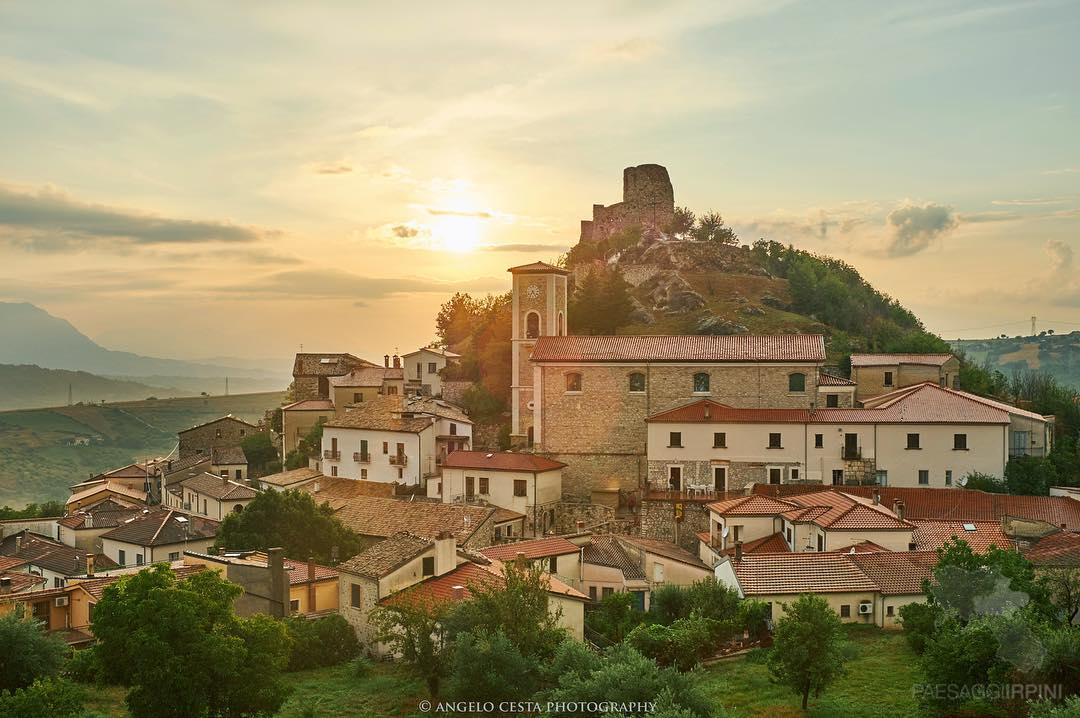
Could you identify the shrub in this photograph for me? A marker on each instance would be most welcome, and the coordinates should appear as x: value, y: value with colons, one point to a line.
x: 27, y: 652
x: 325, y: 641
x: 362, y: 666
x: 488, y: 667
x: 681, y: 645
x: 920, y: 624
x: 1030, y: 475
x: 754, y: 616
x: 668, y: 604
x: 615, y: 617
x: 1070, y: 708
x: 984, y: 482
x: 44, y: 698
x: 84, y: 666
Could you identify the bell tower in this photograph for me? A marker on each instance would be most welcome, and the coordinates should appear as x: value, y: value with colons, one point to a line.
x: 538, y: 310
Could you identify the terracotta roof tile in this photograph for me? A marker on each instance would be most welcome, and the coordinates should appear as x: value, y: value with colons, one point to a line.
x: 339, y: 487
x: 368, y: 376
x: 96, y: 586
x: 536, y: 548
x: 110, y: 487
x: 537, y: 268
x: 288, y: 478
x: 48, y: 554
x: 225, y: 455
x: 693, y: 348
x: 900, y: 573
x: 329, y: 364
x: 376, y: 516
x: 607, y: 551
x: 386, y: 413
x: 931, y: 535
x: 387, y: 555
x: 859, y: 547
x: 19, y: 582
x: 500, y: 461
x: 890, y: 359
x: 1061, y: 548
x: 162, y: 527
x: 218, y: 488
x: 781, y: 573
x: 310, y: 405
x: 825, y: 379
x: 10, y: 562
x: 753, y: 505
x: 227, y: 417
x: 773, y: 543
x: 663, y: 548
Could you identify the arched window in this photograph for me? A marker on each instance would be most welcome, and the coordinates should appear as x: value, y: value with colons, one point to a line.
x: 796, y: 382
x: 532, y: 325
x: 573, y: 382
x: 701, y: 382
x: 238, y: 508
x: 560, y: 330
x: 637, y: 381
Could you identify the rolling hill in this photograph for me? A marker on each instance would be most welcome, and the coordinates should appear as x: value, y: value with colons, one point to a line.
x: 39, y: 459
x: 1055, y: 354
x: 25, y: 386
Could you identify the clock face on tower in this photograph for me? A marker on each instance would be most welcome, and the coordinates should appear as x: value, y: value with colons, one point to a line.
x: 533, y: 291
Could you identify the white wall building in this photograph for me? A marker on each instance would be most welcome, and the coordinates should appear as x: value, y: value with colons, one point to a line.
x: 422, y: 369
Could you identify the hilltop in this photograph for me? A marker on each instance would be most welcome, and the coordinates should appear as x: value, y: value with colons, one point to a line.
x: 24, y: 386
x: 1055, y: 354
x: 39, y: 458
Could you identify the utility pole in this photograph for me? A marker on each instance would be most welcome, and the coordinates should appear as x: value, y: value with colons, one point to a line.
x: 69, y: 393
x: 1032, y: 325
x: 226, y: 386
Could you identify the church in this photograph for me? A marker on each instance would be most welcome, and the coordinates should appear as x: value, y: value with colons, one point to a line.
x: 584, y: 400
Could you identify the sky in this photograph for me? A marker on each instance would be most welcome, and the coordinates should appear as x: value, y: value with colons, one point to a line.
x: 206, y: 179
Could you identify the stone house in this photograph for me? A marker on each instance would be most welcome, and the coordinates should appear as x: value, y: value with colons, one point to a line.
x: 376, y: 518
x: 161, y: 535
x: 299, y: 418
x: 366, y: 384
x: 229, y: 462
x: 876, y: 374
x: 312, y: 372
x: 648, y: 203
x: 423, y: 369
x: 527, y: 484
x: 226, y: 431
x: 273, y: 584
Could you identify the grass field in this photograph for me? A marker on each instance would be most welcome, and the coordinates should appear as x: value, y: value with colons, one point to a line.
x: 38, y: 461
x: 878, y: 684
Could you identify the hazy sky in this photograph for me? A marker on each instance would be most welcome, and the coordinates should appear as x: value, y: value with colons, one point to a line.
x: 205, y: 179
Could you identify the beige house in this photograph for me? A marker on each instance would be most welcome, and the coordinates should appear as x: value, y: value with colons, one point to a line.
x: 423, y: 369
x: 161, y: 535
x: 229, y: 462
x: 876, y: 374
x: 557, y: 555
x: 921, y: 436
x: 83, y: 528
x: 312, y: 372
x: 288, y: 480
x: 105, y: 490
x: 527, y: 484
x: 366, y: 384
x: 618, y: 563
x: 393, y: 439
x: 299, y: 418
x: 835, y: 392
x: 209, y: 496
x: 312, y: 588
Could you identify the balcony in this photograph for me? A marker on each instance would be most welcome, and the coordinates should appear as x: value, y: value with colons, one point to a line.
x: 331, y: 454
x: 361, y: 458
x: 851, y: 453
x: 399, y: 460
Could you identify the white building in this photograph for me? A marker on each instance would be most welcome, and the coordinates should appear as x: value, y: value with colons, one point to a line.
x: 524, y: 483
x: 422, y: 369
x: 209, y: 496
x: 393, y: 439
x: 162, y: 535
x: 922, y: 436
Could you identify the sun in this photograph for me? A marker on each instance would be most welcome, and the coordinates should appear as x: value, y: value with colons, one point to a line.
x: 457, y: 234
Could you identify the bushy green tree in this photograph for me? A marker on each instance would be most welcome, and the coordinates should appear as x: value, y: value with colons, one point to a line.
x: 486, y: 666
x: 33, y: 511
x: 682, y: 645
x: 809, y: 650
x: 614, y: 617
x: 44, y: 698
x: 325, y: 641
x: 27, y: 651
x: 920, y: 622
x: 412, y: 628
x: 182, y: 651
x: 261, y: 454
x: 681, y: 222
x: 1069, y: 708
x: 293, y: 521
x: 978, y: 481
x: 481, y: 405
x: 711, y: 228
x: 1030, y: 475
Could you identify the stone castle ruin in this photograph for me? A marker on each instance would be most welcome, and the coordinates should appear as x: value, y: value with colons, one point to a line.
x: 648, y: 202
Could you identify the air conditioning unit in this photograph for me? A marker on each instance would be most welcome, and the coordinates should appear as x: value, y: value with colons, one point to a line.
x: 866, y: 608
x: 61, y: 601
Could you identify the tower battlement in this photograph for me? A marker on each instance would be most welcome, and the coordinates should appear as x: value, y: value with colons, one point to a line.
x: 648, y: 201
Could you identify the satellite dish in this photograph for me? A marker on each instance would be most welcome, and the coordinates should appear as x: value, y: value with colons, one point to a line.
x: 852, y: 551
x: 724, y: 532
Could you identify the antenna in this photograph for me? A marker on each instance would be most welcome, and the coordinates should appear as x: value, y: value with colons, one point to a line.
x: 1032, y: 325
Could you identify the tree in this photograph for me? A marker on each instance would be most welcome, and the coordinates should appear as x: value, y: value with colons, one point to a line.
x: 261, y: 454
x: 291, y: 520
x: 1062, y: 583
x: 681, y: 222
x: 584, y: 303
x: 615, y: 617
x: 412, y: 628
x: 1030, y: 475
x: 710, y: 228
x: 33, y: 511
x: 44, y: 698
x: 977, y: 578
x: 615, y: 303
x: 326, y: 641
x: 808, y: 650
x: 454, y: 320
x: 486, y: 666
x: 28, y: 653
x: 182, y: 651
x: 978, y: 481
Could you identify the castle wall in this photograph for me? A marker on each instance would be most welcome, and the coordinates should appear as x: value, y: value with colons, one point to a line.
x: 648, y: 201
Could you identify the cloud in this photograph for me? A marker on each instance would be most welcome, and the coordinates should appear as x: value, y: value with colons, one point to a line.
x: 404, y: 231
x: 1060, y: 253
x: 1063, y: 171
x: 480, y: 214
x: 53, y: 221
x: 332, y: 168
x: 632, y: 50
x: 981, y: 217
x: 527, y: 247
x: 340, y: 284
x: 916, y: 227
x: 1030, y: 202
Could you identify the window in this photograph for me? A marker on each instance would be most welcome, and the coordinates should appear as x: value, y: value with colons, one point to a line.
x: 675, y: 477
x: 400, y: 473
x: 832, y: 400
x: 941, y: 382
x: 719, y: 440
x: 386, y: 447
x: 224, y: 473
x: 658, y: 572
x: 913, y: 441
x: 470, y: 486
x: 553, y: 564
x: 845, y: 611
x: 592, y: 593
x: 138, y: 559
x: 736, y: 531
x: 432, y: 368
x: 675, y: 439
x: 701, y: 383
x: 888, y: 378
x: 429, y: 565
x: 794, y: 474
x: 355, y: 598
x: 819, y: 441
x: 532, y: 325
x: 174, y: 556
x: 294, y: 605
x: 774, y: 475
x: 837, y: 477
x: 363, y: 475
x: 637, y: 382
x: 419, y: 369
x: 241, y: 432
x: 924, y: 476
x: 520, y: 487
x: 561, y: 328
x: 882, y: 477
x: 888, y: 610
x: 391, y: 390
x: 948, y: 477
x: 217, y: 433
x: 357, y: 397
x: 333, y: 472
x: 484, y: 486
x: 820, y: 542
x: 204, y: 504
x: 453, y: 429
x: 796, y: 382
x: 606, y: 591
x: 959, y: 442
x: 573, y: 382
x: 720, y: 478
x: 774, y: 441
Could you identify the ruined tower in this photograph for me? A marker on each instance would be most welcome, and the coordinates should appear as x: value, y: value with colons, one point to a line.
x: 648, y: 202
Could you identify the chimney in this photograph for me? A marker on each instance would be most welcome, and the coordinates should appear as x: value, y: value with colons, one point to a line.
x: 445, y: 553
x: 386, y: 361
x: 738, y: 550
x: 279, y: 585
x: 90, y: 565
x: 896, y: 506
x: 397, y: 362
x: 311, y: 607
x: 708, y: 411
x: 877, y: 496
x: 580, y: 525
x: 898, y: 509
x: 459, y: 593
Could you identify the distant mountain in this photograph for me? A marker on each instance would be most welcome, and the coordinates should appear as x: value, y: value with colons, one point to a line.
x: 30, y: 335
x: 24, y: 386
x: 1055, y: 354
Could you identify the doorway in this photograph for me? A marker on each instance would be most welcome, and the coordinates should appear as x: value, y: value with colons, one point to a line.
x: 675, y: 478
x: 719, y: 478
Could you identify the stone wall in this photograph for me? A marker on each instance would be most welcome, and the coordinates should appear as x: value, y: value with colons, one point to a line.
x: 636, y: 274
x: 587, y: 473
x: 485, y: 437
x: 648, y: 201
x: 201, y: 439
x: 658, y: 522
x: 860, y: 471
x: 595, y: 517
x: 454, y: 391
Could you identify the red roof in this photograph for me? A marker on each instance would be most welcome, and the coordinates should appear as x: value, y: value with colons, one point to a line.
x: 931, y: 535
x: 773, y: 543
x: 952, y: 504
x: 1061, y: 548
x: 439, y: 589
x: 859, y: 547
x: 752, y: 505
x: 840, y: 511
x: 537, y: 548
x: 310, y: 405
x: 830, y: 380
x: 897, y: 573
x: 890, y: 359
x: 500, y: 461
x: 723, y: 348
x: 537, y: 268
x: 773, y: 573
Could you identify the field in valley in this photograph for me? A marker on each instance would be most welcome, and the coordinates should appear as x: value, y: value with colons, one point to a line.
x: 42, y: 451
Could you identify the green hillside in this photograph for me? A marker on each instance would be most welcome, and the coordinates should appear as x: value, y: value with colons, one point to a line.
x: 27, y: 386
x: 1055, y: 354
x: 38, y: 458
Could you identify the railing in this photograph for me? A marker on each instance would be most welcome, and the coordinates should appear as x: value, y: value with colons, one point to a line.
x: 361, y: 458
x: 331, y: 454
x: 850, y: 453
x: 690, y: 493
x: 399, y: 459
x: 1027, y: 451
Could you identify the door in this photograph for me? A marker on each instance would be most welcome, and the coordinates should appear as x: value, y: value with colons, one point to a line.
x: 720, y: 478
x: 470, y: 486
x: 851, y: 446
x: 774, y: 475
x: 638, y: 598
x: 675, y: 477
